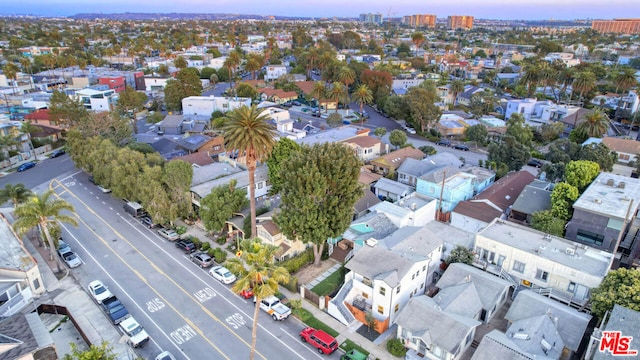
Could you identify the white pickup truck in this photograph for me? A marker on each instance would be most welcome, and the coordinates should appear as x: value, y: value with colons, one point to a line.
x: 275, y: 308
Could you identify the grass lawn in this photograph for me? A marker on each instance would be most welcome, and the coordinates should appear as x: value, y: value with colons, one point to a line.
x: 310, y: 320
x: 348, y: 345
x: 328, y: 285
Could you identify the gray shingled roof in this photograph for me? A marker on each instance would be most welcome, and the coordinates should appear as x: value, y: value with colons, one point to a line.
x: 418, y: 168
x: 462, y: 299
x: 532, y: 199
x: 423, y: 318
x: 381, y: 264
x: 392, y: 187
x: 571, y: 323
x: 490, y: 288
x: 627, y: 322
x: 496, y: 345
x: 414, y: 239
x: 18, y: 337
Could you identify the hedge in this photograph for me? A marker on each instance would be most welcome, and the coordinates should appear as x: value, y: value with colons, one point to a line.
x: 295, y: 263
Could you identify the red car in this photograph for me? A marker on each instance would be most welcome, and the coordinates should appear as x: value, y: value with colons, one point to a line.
x: 325, y: 343
x: 248, y: 293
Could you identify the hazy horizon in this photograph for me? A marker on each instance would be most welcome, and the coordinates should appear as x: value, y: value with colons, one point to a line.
x: 489, y: 9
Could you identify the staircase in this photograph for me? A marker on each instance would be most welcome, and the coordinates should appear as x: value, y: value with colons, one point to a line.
x: 338, y: 303
x: 516, y: 286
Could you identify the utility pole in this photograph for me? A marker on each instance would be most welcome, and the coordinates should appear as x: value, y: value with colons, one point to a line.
x: 444, y: 177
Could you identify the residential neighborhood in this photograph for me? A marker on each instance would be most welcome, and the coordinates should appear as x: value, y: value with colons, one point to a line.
x: 382, y: 184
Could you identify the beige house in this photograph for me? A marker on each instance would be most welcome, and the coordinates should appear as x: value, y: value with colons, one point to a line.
x: 627, y: 149
x: 270, y: 234
x: 367, y: 148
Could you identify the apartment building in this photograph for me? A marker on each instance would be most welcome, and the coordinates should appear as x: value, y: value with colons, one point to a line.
x: 420, y: 20
x: 620, y: 26
x: 459, y: 22
x: 371, y: 18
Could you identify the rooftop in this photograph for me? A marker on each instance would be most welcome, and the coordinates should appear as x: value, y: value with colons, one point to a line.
x: 612, y: 195
x: 12, y: 255
x: 580, y: 257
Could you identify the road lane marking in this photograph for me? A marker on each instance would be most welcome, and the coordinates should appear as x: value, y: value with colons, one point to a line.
x: 134, y: 225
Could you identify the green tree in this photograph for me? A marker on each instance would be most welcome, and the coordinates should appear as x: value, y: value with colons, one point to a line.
x: 141, y: 147
x: 397, y: 138
x: 319, y: 92
x: 456, y: 87
x: 247, y: 91
x: 562, y: 198
x: 417, y: 38
x: 107, y: 125
x: 177, y: 177
x: 380, y: 132
x: 130, y: 101
x: 335, y: 120
x: 596, y: 124
x: 510, y: 152
x: 517, y: 128
x: 17, y: 194
x: 337, y: 92
x: 550, y: 132
x: 247, y: 130
x: 187, y: 83
x: 600, y: 154
x: 621, y: 286
x: 180, y: 63
x: 102, y: 352
x: 207, y: 72
x: 65, y: 111
x: 11, y: 71
x: 584, y: 82
x: 220, y: 205
x: 460, y: 254
x: 280, y: 154
x: 580, y: 173
x: 347, y: 76
x: 257, y: 271
x: 362, y: 95
x: 424, y: 113
x: 321, y: 187
x: 476, y: 133
x: 545, y: 221
x: 45, y: 211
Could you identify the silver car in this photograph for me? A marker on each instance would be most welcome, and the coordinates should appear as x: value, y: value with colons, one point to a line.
x: 169, y: 234
x: 71, y: 259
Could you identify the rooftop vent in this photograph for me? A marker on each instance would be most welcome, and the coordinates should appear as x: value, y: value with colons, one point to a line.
x: 570, y: 251
x: 610, y: 182
x: 621, y: 185
x: 371, y: 242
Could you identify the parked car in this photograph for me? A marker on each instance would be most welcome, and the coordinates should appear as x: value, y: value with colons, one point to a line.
x: 461, y: 147
x: 534, y: 162
x: 325, y: 343
x: 58, y: 152
x: 411, y: 130
x: 222, y: 274
x: 201, y: 259
x: 247, y: 294
x: 26, y: 166
x: 136, y: 334
x: 443, y: 142
x: 296, y: 103
x: 103, y: 189
x: 63, y: 247
x: 147, y: 221
x: 98, y: 291
x: 115, y: 310
x: 353, y: 355
x: 169, y: 234
x: 186, y: 245
x: 71, y: 259
x: 165, y: 355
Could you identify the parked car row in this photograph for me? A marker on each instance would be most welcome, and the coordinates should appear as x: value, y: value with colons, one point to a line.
x: 68, y: 256
x: 447, y: 142
x: 118, y: 314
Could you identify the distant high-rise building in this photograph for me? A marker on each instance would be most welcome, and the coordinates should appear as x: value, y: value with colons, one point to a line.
x: 420, y: 20
x: 459, y: 22
x: 620, y: 26
x: 371, y: 18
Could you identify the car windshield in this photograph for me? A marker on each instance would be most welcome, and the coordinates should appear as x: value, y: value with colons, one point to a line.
x: 135, y: 330
x: 99, y: 290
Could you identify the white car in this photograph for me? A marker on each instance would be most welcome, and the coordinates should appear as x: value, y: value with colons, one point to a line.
x: 104, y: 191
x: 165, y: 355
x: 168, y: 234
x: 411, y: 131
x: 222, y: 274
x: 136, y: 333
x: 72, y: 260
x: 99, y: 291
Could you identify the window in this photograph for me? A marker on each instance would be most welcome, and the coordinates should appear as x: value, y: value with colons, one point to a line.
x: 424, y: 268
x: 589, y: 237
x: 413, y: 276
x: 572, y: 287
x: 380, y: 309
x: 469, y: 338
x: 518, y: 266
x: 396, y: 308
x: 36, y: 284
x: 542, y: 275
x: 383, y: 291
x: 365, y: 295
x: 398, y: 290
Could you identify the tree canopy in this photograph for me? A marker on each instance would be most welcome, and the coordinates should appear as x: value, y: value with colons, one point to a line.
x: 581, y: 173
x: 220, y: 205
x: 187, y: 83
x: 319, y: 190
x: 621, y: 286
x: 280, y: 154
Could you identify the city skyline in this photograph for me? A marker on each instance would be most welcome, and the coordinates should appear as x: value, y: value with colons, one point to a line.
x: 490, y: 9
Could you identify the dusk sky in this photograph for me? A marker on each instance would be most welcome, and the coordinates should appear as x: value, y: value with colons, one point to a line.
x: 488, y: 9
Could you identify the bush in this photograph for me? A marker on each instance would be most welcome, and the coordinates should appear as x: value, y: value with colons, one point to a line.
x: 219, y: 255
x: 396, y: 348
x: 181, y: 229
x: 212, y: 252
x: 434, y: 132
x: 221, y: 240
x: 428, y: 150
x: 295, y: 263
x: 292, y: 285
x: 295, y: 304
x: 197, y: 242
x: 205, y: 246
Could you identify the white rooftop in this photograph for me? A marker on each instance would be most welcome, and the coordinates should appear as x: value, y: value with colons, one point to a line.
x: 615, y: 196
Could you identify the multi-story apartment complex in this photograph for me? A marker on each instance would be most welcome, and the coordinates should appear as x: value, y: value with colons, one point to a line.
x: 459, y: 22
x: 620, y: 26
x: 371, y: 18
x: 420, y: 20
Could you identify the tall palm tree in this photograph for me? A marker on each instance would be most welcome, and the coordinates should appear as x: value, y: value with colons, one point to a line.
x: 11, y: 71
x: 247, y: 131
x: 45, y: 211
x: 584, y: 82
x: 624, y: 80
x: 319, y: 92
x: 456, y: 87
x: 231, y: 63
x: 531, y: 78
x: 336, y: 93
x: 362, y: 95
x: 254, y: 63
x: 417, y: 38
x: 16, y: 193
x: 347, y: 76
x: 596, y: 123
x: 260, y: 274
x: 548, y: 76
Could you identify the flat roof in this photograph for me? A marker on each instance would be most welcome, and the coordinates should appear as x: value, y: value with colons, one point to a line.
x: 612, y: 195
x: 586, y: 259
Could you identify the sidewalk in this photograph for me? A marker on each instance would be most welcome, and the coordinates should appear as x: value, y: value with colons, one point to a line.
x: 376, y: 351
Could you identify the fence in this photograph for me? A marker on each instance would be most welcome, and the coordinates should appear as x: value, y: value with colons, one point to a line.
x: 57, y: 309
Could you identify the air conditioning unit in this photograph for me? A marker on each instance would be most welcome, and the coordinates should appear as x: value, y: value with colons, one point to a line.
x: 371, y: 242
x: 570, y: 251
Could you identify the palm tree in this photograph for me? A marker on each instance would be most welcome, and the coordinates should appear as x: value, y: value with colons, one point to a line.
x: 457, y: 86
x: 44, y: 211
x: 247, y: 131
x: 319, y: 92
x: 531, y: 78
x: 16, y: 193
x: 548, y: 76
x: 417, y: 38
x: 337, y: 92
x: 254, y: 63
x: 584, y: 82
x: 180, y: 63
x: 231, y: 63
x: 596, y: 123
x: 624, y: 80
x: 362, y: 95
x: 347, y: 76
x: 11, y: 71
x: 260, y: 274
